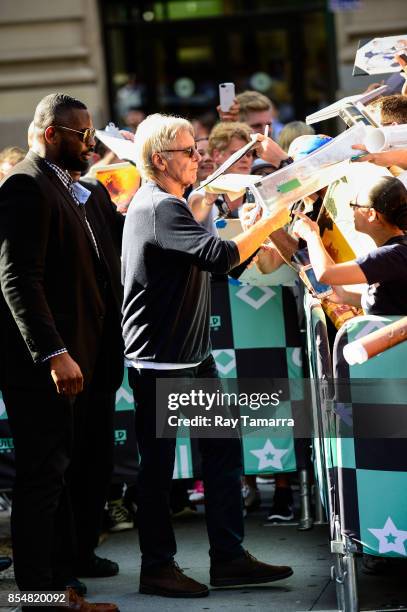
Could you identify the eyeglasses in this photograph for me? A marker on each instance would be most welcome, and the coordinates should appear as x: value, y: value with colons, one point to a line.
x: 88, y: 135
x: 189, y: 151
x: 355, y: 205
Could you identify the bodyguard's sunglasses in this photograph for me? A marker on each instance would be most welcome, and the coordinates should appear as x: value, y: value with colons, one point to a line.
x: 189, y: 151
x: 87, y: 136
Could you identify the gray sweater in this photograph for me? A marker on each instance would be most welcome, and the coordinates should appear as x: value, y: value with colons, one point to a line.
x: 166, y: 260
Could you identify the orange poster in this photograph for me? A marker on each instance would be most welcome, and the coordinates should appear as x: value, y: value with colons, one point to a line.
x: 121, y: 180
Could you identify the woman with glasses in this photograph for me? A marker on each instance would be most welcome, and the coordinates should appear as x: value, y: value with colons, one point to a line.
x: 380, y: 211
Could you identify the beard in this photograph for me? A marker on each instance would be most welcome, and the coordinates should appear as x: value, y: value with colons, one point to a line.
x: 71, y: 161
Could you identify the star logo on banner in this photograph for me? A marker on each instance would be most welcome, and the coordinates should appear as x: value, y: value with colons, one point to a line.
x: 390, y: 538
x: 344, y: 412
x: 269, y: 456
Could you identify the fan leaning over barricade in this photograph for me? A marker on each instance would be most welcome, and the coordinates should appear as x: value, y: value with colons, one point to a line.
x: 380, y: 211
x: 167, y: 257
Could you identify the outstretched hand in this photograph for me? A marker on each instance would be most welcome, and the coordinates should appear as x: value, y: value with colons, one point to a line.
x: 305, y: 227
x: 269, y: 150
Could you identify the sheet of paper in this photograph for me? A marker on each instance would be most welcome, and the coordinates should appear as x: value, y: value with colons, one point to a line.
x: 284, y: 275
x: 123, y: 148
x: 229, y: 162
x: 333, y: 109
x: 234, y: 185
x: 228, y: 228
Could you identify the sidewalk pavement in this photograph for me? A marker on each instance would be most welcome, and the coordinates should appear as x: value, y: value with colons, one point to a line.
x: 310, y: 588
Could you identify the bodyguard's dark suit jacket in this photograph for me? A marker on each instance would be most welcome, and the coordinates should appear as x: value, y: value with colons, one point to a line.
x: 55, y: 291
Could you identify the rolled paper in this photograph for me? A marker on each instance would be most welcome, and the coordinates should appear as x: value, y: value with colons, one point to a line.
x: 384, y: 138
x: 375, y: 343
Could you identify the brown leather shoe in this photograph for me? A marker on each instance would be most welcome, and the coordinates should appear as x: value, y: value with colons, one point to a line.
x: 246, y: 570
x: 170, y: 581
x: 76, y: 602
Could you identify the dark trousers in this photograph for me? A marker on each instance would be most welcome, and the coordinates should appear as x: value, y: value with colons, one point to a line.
x: 221, y: 469
x: 64, y: 458
x: 42, y: 529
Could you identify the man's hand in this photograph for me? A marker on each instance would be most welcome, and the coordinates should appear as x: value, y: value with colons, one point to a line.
x: 270, y: 151
x: 304, y: 227
x: 232, y: 114
x: 66, y: 374
x: 395, y: 157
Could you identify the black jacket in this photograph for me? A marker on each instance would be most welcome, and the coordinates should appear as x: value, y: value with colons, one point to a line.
x: 56, y: 292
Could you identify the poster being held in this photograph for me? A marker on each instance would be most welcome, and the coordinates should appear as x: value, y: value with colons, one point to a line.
x: 377, y: 55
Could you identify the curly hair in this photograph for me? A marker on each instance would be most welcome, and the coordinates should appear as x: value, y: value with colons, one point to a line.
x: 223, y: 132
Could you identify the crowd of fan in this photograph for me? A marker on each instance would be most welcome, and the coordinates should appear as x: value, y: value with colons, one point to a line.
x: 380, y: 211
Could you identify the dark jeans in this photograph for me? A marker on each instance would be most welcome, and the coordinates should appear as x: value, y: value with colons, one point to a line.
x: 221, y: 468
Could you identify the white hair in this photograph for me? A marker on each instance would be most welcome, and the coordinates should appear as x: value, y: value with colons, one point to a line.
x: 155, y: 134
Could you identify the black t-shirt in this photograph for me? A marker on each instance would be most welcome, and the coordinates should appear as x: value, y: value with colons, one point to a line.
x: 166, y: 260
x: 385, y: 269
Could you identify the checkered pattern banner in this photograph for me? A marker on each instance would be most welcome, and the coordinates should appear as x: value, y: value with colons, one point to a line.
x: 366, y: 477
x: 255, y: 334
x: 373, y: 472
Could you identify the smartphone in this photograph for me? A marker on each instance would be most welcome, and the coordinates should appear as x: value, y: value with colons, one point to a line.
x: 320, y: 290
x: 226, y: 95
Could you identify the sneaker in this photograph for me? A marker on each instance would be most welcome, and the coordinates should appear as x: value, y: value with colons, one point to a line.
x: 280, y: 514
x: 265, y: 481
x: 246, y: 569
x: 197, y: 494
x: 119, y: 516
x: 170, y: 581
x: 251, y: 497
x: 282, y: 510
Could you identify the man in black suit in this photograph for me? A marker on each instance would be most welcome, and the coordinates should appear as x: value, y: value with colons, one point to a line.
x: 60, y: 342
